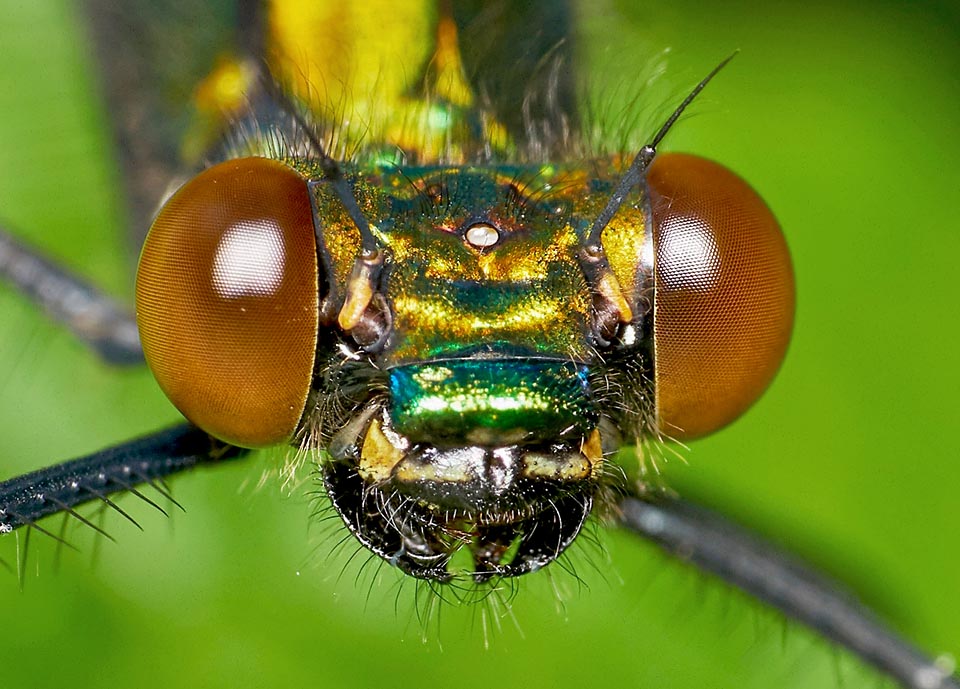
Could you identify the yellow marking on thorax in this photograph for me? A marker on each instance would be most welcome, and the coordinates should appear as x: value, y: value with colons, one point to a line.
x: 384, y: 71
x: 220, y: 96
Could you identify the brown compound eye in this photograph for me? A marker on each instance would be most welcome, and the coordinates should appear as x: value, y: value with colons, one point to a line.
x: 724, y: 294
x: 227, y: 297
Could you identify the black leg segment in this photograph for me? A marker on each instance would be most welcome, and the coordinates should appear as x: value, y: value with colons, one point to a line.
x: 97, y: 319
x: 26, y: 499
x: 714, y: 544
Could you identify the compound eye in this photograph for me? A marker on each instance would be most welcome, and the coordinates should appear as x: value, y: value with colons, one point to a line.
x: 724, y: 295
x: 227, y: 300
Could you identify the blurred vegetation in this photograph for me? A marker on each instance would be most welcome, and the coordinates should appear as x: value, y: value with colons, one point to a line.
x: 843, y: 115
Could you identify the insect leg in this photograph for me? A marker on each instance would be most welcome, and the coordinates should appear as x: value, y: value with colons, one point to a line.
x: 716, y: 545
x: 26, y: 499
x: 94, y: 317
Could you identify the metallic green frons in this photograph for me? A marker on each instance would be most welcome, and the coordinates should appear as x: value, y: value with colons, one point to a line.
x: 490, y: 401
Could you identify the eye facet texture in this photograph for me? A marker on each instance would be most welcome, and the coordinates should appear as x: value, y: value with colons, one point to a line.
x: 227, y: 299
x: 724, y: 294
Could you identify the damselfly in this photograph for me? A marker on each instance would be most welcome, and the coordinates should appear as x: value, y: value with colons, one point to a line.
x: 613, y: 62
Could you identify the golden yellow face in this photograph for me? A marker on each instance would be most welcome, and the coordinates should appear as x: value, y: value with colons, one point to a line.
x: 477, y: 264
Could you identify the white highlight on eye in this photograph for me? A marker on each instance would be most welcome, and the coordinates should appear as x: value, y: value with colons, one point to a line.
x: 249, y: 260
x: 688, y: 255
x: 482, y: 235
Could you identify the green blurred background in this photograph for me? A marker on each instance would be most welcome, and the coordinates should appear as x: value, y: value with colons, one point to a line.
x: 844, y: 116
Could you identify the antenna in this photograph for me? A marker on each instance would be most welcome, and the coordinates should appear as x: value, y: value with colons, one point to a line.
x: 642, y: 161
x: 332, y: 171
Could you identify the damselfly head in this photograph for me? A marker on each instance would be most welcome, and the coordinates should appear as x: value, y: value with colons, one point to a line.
x: 465, y: 345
